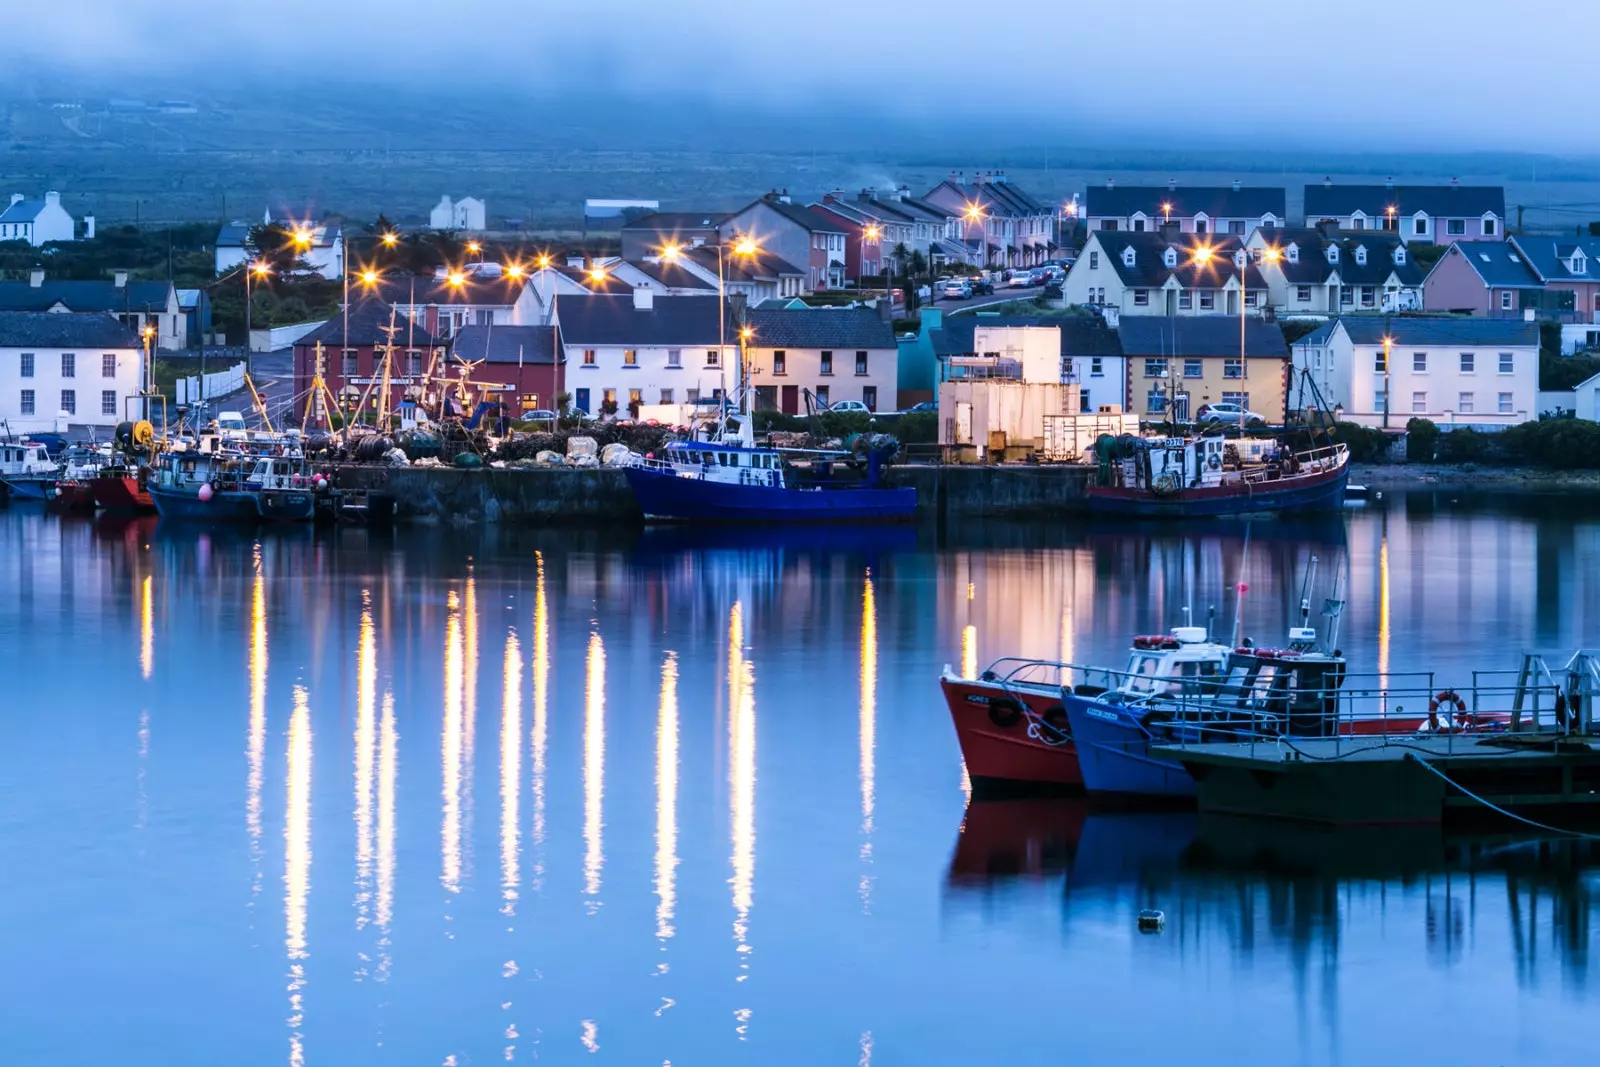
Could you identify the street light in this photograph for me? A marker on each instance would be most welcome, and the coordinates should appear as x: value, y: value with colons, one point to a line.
x: 1388, y: 349
x: 257, y: 269
x: 874, y: 233
x: 515, y: 271
x: 745, y: 247
x: 974, y: 213
x: 456, y: 279
x: 389, y: 239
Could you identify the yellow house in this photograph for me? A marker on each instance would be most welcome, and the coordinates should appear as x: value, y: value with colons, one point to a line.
x: 1183, y: 365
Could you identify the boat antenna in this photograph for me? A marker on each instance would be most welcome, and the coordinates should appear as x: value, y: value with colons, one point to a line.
x: 1211, y: 618
x: 1305, y: 592
x: 1241, y: 589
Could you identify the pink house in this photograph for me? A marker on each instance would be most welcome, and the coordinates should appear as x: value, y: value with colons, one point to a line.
x: 1490, y: 279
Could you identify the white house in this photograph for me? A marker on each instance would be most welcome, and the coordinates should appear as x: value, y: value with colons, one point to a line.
x: 1442, y: 214
x: 833, y: 353
x: 135, y: 304
x: 39, y: 221
x: 1171, y: 273
x: 638, y: 349
x: 1322, y: 271
x: 1452, y: 370
x: 1202, y: 210
x: 61, y: 369
x: 1079, y: 350
x: 466, y: 214
x: 321, y: 247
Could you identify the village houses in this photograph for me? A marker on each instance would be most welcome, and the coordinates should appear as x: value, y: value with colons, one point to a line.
x: 1322, y: 271
x: 1163, y: 273
x: 793, y: 233
x: 1437, y: 214
x: 66, y: 371
x: 1232, y: 211
x: 997, y: 223
x: 1177, y: 367
x: 835, y: 354
x: 39, y: 222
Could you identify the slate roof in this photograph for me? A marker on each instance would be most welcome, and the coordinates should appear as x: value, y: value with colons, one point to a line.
x: 22, y: 211
x: 1215, y: 202
x: 675, y: 275
x: 997, y: 198
x: 233, y: 235
x: 507, y: 344
x: 824, y: 327
x: 609, y: 283
x: 1439, y: 201
x: 1202, y: 335
x: 1497, y: 264
x: 763, y: 266
x: 613, y: 320
x: 1313, y: 268
x: 804, y: 217
x: 369, y: 320
x: 483, y: 290
x: 1548, y: 256
x: 1423, y: 330
x: 1149, y: 269
x: 85, y: 296
x: 676, y: 221
x: 1081, y: 335
x: 45, y: 329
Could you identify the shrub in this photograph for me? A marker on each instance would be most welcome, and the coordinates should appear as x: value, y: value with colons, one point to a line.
x: 1564, y: 444
x: 1367, y: 445
x: 1465, y: 445
x: 1422, y: 437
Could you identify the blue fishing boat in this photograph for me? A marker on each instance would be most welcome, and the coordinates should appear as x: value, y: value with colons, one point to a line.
x: 213, y: 484
x: 1212, y: 476
x: 27, y: 471
x: 721, y: 482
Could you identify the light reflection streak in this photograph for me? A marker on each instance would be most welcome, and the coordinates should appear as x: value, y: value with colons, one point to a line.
x: 469, y: 719
x: 388, y: 772
x: 450, y: 748
x: 297, y: 864
x: 741, y: 785
x: 667, y: 798
x: 541, y: 693
x: 365, y: 745
x: 868, y: 726
x: 147, y: 629
x: 511, y: 775
x: 594, y: 767
x: 1383, y: 611
x: 969, y: 652
x: 255, y: 747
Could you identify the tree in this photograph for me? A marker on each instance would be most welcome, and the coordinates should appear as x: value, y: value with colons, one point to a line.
x: 917, y: 264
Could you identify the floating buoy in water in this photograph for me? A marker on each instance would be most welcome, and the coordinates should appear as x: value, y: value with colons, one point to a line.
x: 205, y: 493
x: 1151, y: 920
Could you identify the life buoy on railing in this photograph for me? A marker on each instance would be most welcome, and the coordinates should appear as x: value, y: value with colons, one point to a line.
x: 1446, y: 699
x: 1005, y: 712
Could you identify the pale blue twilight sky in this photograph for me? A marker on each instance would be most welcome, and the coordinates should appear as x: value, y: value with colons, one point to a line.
x: 1466, y: 74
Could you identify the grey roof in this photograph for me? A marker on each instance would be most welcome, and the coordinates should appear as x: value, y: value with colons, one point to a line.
x: 1149, y: 269
x: 607, y: 283
x: 613, y: 320
x: 1312, y: 267
x: 85, y: 296
x: 1439, y: 201
x: 22, y: 211
x: 499, y: 291
x: 506, y: 344
x: 823, y: 327
x: 1201, y: 335
x: 45, y: 329
x: 1549, y: 256
x: 369, y: 321
x: 1081, y: 335
x: 676, y: 221
x: 1497, y: 264
x: 1214, y: 201
x: 674, y: 275
x: 1425, y: 330
x: 763, y: 266
x: 233, y: 235
x: 997, y: 198
x: 804, y: 217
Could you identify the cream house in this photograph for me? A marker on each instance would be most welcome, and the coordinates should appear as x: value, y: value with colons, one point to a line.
x: 1165, y: 273
x: 834, y: 354
x: 1323, y: 271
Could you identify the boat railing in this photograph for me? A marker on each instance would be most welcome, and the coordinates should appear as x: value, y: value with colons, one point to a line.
x: 1312, y: 461
x: 1046, y: 673
x: 663, y: 466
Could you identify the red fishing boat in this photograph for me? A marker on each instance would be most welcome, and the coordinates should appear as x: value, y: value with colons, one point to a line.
x: 119, y: 489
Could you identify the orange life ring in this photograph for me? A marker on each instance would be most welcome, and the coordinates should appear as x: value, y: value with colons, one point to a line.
x: 1448, y: 698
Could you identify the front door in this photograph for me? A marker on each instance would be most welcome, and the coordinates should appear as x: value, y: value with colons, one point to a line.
x: 582, y: 400
x: 791, y: 400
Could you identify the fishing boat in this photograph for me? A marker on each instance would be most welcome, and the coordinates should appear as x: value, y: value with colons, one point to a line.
x: 123, y: 487
x: 27, y: 471
x: 80, y: 465
x: 1178, y: 477
x: 729, y: 480
x: 211, y: 483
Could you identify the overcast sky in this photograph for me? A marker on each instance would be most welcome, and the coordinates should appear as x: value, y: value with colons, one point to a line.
x: 1434, y: 74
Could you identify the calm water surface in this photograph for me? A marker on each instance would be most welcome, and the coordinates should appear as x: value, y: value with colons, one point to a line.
x: 448, y: 797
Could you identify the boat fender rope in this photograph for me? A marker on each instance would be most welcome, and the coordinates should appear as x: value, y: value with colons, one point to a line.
x: 1464, y: 791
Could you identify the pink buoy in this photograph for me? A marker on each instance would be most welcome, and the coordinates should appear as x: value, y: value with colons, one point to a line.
x: 205, y: 493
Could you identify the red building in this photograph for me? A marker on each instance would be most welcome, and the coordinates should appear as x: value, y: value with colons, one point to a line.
x: 521, y: 366
x: 352, y: 351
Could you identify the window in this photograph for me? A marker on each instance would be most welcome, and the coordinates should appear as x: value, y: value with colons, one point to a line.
x: 1508, y: 363
x: 1236, y: 228
x: 413, y: 363
x: 1456, y: 227
x: 1108, y: 224
x: 1419, y: 225
x: 691, y: 396
x: 1490, y: 226
x: 1251, y: 298
x: 1141, y: 298
x: 1156, y: 402
x: 1185, y: 301
x: 635, y: 398
x: 108, y: 366
x: 1233, y: 367
x: 1316, y: 358
x: 1097, y: 366
x: 27, y: 364
x: 1505, y: 300
x: 674, y: 357
x: 1505, y: 404
x: 1302, y: 294
x: 1208, y: 300
x: 1155, y: 368
x: 1193, y: 368
x: 1419, y: 362
x: 608, y: 396
x: 861, y: 362
x: 780, y: 361
x: 348, y: 363
x: 1347, y: 297
x: 484, y: 317
x: 1419, y: 403
x: 1369, y: 295
x: 27, y: 402
x: 108, y: 402
x: 1242, y: 399
x: 713, y: 358
x: 630, y: 357
x: 1094, y: 259
x: 869, y: 397
x: 827, y: 363
x: 822, y: 396
x: 1380, y: 361
x: 1138, y: 225
x: 1465, y: 403
x: 1199, y: 225
x: 1468, y: 362
x: 588, y: 357
x: 530, y: 401
x: 69, y: 401
x: 1380, y: 400
x: 666, y: 396
x: 69, y: 365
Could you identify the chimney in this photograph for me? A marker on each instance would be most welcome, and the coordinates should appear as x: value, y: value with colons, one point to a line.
x: 954, y: 179
x: 1236, y: 185
x: 1388, y: 182
x: 783, y: 197
x: 119, y: 278
x: 903, y: 192
x: 1111, y: 183
x: 1455, y: 183
x: 644, y: 298
x: 1327, y: 182
x: 1172, y: 185
x: 575, y: 262
x: 52, y: 198
x: 88, y: 227
x: 16, y: 198
x: 1328, y: 228
x: 868, y: 194
x: 36, y: 277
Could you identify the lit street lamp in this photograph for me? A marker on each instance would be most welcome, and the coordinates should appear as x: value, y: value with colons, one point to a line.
x: 874, y: 233
x: 258, y: 269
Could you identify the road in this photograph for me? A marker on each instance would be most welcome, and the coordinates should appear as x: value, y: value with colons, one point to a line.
x: 1001, y: 296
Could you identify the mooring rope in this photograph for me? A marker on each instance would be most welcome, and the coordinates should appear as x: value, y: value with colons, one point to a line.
x: 1495, y: 807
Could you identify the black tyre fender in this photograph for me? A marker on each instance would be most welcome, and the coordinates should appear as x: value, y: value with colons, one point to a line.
x: 1055, y: 717
x: 1005, y: 712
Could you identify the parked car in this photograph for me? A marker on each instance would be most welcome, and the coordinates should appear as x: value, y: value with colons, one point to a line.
x: 1019, y: 280
x: 955, y: 289
x: 1229, y: 412
x: 981, y: 288
x: 539, y: 415
x: 1039, y: 275
x: 855, y: 406
x: 926, y: 407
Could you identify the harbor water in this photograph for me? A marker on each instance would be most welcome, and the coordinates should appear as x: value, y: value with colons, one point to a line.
x: 444, y: 796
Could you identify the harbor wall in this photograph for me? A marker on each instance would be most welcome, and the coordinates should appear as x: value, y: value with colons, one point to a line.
x: 585, y: 495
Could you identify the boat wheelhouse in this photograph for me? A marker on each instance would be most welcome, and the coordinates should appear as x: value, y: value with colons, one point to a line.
x: 27, y: 470
x: 1212, y: 475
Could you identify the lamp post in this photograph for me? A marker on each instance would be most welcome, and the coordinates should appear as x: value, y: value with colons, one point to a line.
x: 744, y: 247
x: 257, y: 269
x: 873, y: 232
x: 1388, y: 350
x: 148, y: 335
x: 974, y: 213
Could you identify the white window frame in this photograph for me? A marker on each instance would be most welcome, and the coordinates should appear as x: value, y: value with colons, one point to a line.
x: 1419, y: 363
x: 1508, y: 363
x: 1506, y: 404
x: 1469, y: 363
